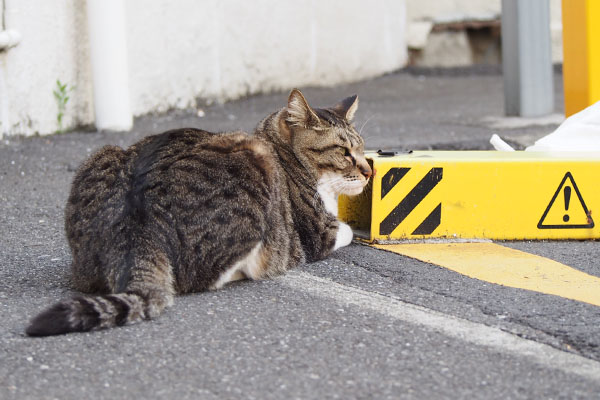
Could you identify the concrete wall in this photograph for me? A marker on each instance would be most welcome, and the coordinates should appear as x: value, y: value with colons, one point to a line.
x: 443, y: 11
x: 179, y: 51
x: 453, y: 47
x: 53, y: 46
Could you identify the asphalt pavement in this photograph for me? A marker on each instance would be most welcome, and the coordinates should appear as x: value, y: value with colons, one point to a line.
x: 363, y: 324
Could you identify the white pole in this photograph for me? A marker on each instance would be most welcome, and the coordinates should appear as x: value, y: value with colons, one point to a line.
x: 108, y: 52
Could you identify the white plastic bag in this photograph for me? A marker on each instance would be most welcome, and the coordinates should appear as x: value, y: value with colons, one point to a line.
x: 579, y: 132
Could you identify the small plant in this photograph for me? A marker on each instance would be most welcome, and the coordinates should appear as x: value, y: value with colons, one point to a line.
x: 61, y: 95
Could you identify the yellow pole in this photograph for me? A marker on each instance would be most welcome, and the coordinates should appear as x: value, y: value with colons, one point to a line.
x: 581, y: 54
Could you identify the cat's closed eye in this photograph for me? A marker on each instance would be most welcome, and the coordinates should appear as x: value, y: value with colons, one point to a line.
x: 349, y: 156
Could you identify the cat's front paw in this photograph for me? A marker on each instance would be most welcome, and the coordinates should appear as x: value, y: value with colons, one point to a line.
x: 344, y: 236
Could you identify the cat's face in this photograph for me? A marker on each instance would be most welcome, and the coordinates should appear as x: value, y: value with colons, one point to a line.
x: 325, y: 139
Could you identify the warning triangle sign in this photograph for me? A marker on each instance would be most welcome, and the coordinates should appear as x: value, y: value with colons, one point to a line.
x: 566, y: 210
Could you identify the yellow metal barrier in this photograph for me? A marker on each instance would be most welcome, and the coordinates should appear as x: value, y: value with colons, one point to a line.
x: 478, y: 194
x: 581, y: 51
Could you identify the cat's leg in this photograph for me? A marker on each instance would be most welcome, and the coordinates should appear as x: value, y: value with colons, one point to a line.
x: 343, y: 237
x: 152, y: 280
x: 249, y: 266
x: 231, y: 275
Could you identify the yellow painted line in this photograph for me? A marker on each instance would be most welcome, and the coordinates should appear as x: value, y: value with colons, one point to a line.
x: 504, y: 266
x: 581, y: 48
x: 478, y: 194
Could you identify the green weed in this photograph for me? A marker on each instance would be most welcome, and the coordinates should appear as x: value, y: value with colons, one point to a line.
x: 61, y: 95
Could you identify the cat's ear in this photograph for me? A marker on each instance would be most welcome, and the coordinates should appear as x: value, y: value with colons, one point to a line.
x: 299, y: 112
x: 347, y: 107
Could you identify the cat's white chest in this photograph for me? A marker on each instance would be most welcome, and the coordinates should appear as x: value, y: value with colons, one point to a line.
x: 328, y: 196
x: 330, y: 201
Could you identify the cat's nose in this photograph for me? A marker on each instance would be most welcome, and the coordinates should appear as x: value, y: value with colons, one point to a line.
x: 366, y: 171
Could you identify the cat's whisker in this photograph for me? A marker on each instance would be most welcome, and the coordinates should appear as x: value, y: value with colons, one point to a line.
x: 363, y: 125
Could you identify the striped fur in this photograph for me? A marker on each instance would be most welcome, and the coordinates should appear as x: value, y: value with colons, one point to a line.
x: 188, y: 210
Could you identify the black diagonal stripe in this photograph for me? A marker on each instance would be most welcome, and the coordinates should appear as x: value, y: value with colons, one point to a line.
x: 401, y: 211
x: 391, y: 178
x: 429, y: 224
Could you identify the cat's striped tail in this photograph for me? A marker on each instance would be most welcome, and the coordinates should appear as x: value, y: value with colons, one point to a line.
x: 88, y: 313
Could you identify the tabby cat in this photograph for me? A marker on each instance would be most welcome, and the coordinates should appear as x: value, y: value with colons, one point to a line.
x: 188, y: 210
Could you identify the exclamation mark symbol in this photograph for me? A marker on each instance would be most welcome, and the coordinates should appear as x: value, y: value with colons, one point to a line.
x: 567, y: 193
